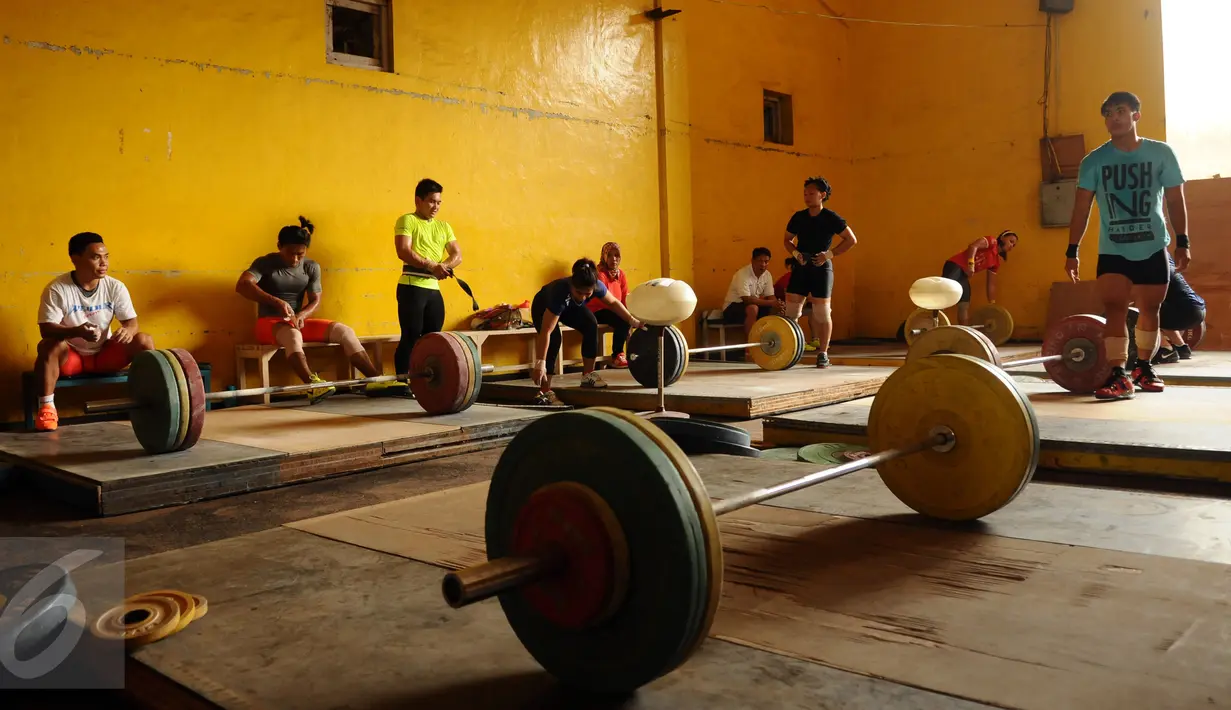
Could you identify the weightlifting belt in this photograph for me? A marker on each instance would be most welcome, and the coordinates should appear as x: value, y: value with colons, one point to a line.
x: 409, y: 270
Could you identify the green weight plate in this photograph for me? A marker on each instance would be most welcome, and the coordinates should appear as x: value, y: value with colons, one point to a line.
x: 152, y: 385
x: 781, y: 453
x: 830, y: 453
x: 181, y: 382
x: 671, y: 578
x: 643, y: 357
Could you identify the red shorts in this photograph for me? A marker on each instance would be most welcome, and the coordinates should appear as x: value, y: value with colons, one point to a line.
x: 112, y: 357
x: 314, y: 330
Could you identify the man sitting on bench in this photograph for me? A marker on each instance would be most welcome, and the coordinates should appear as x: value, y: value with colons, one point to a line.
x: 74, y: 319
x: 750, y: 295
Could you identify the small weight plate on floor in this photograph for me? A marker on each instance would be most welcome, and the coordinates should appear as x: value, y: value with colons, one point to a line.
x: 152, y: 385
x: 185, y: 406
x: 831, y: 452
x: 1194, y: 335
x: 959, y: 339
x: 32, y: 614
x: 779, y: 343
x: 674, y: 558
x: 196, y: 397
x: 701, y: 429
x: 643, y: 357
x: 184, y: 602
x: 448, y: 386
x: 996, y: 447
x: 1080, y: 339
x: 139, y: 623
x: 996, y: 320
x: 781, y: 453
x: 921, y: 319
x: 200, y: 606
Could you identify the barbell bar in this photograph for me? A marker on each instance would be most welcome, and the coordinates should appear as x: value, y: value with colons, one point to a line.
x: 167, y: 397
x: 613, y: 581
x: 993, y: 319
x: 777, y: 343
x: 1073, y: 354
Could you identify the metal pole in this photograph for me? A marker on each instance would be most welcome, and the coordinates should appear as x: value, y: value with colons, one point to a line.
x: 1031, y: 361
x: 940, y: 438
x: 716, y: 348
x: 662, y: 395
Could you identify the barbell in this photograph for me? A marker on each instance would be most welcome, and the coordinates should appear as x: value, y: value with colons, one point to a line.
x: 993, y: 319
x: 777, y: 343
x: 1073, y: 351
x: 611, y: 581
x: 167, y: 397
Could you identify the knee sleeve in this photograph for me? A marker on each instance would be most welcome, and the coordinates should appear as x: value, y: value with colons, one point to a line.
x: 1147, y: 339
x: 1117, y: 349
x: 343, y: 335
x: 290, y: 339
x: 821, y: 312
x: 794, y: 310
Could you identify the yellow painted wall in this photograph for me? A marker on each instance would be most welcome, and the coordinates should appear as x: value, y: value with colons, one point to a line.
x: 946, y: 128
x: 187, y: 132
x: 744, y: 190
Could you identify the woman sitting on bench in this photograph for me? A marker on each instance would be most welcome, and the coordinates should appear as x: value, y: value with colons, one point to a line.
x: 280, y: 282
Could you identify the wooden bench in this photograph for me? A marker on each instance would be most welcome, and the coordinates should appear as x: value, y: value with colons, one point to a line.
x: 30, y: 391
x: 263, y: 354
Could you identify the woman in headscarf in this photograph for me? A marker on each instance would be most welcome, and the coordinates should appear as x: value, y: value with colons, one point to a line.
x: 616, y: 283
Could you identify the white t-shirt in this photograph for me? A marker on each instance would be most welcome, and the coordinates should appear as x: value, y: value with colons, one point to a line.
x: 66, y: 303
x: 745, y: 283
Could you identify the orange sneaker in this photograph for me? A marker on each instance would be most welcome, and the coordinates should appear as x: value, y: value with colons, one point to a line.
x: 47, y: 419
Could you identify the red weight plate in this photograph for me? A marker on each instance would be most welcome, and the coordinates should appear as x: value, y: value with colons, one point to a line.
x: 571, y: 519
x: 1194, y: 335
x: 1080, y: 334
x: 196, y: 397
x: 447, y: 387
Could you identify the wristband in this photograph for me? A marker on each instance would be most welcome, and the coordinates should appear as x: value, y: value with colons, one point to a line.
x: 1181, y: 241
x: 795, y: 253
x: 1072, y: 251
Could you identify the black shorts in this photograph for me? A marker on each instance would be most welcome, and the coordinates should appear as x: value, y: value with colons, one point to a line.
x: 811, y: 280
x: 734, y: 312
x: 953, y: 272
x: 1180, y: 315
x: 1154, y: 270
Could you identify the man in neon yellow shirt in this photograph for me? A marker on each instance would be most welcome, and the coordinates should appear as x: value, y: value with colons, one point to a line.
x: 429, y: 251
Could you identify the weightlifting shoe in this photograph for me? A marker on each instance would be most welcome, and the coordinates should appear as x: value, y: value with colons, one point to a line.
x: 619, y: 361
x: 1118, y: 386
x: 1185, y: 352
x: 822, y: 360
x: 1145, y: 379
x: 1165, y: 356
x: 320, y: 393
x: 812, y: 345
x: 47, y: 418
x: 593, y: 380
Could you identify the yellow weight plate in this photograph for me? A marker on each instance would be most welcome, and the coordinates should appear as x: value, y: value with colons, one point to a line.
x: 705, y: 511
x: 921, y: 320
x: 181, y: 381
x: 996, y: 446
x: 779, y: 343
x: 996, y: 320
x: 954, y: 339
x: 187, y: 605
x: 201, y: 608
x: 139, y: 623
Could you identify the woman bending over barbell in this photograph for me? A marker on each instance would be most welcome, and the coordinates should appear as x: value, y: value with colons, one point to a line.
x: 564, y: 301
x: 983, y: 254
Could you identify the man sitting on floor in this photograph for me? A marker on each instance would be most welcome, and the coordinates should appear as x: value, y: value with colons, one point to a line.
x: 74, y: 319
x: 751, y: 293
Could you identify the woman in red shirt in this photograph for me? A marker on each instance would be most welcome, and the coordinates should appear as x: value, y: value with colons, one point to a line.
x: 983, y: 254
x: 613, y: 278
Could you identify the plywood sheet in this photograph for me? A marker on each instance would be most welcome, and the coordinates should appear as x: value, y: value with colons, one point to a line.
x: 719, y: 389
x: 1010, y: 622
x: 106, y: 453
x: 295, y: 431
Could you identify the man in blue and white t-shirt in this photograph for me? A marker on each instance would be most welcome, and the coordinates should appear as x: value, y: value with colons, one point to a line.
x: 1131, y: 177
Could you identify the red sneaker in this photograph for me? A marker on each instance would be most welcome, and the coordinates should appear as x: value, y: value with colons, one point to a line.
x: 1145, y: 379
x: 1118, y: 386
x: 619, y: 361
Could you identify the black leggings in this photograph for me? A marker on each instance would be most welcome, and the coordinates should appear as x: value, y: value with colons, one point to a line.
x: 579, y: 318
x: 420, y: 311
x: 619, y: 329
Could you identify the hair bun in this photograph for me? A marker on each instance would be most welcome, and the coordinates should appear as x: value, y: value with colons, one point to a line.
x: 306, y: 224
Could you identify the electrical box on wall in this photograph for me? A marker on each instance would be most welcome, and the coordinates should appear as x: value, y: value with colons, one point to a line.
x: 1057, y: 6
x: 1056, y: 202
